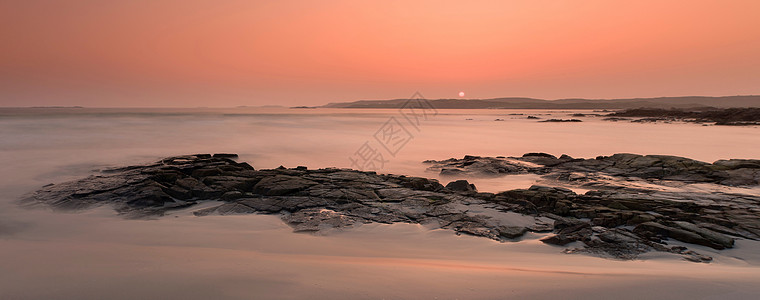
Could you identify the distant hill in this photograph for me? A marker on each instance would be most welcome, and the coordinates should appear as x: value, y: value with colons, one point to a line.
x: 531, y: 103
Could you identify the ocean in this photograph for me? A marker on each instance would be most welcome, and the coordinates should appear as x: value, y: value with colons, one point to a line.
x: 96, y: 254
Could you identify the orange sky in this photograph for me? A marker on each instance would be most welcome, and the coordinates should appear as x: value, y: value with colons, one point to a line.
x: 229, y: 53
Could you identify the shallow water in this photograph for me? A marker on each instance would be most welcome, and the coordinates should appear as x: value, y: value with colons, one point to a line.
x: 97, y: 255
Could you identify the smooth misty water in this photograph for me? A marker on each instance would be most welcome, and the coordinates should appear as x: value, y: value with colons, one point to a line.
x: 95, y: 254
x: 39, y: 146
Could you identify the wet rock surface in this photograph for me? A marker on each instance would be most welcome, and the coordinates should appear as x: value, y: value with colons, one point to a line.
x: 308, y: 200
x: 618, y: 167
x: 635, y: 203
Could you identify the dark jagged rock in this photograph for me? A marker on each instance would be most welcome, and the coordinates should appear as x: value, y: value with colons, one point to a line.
x: 281, y: 185
x: 616, y: 119
x: 308, y: 200
x: 568, y: 231
x: 561, y: 120
x: 685, y: 232
x: 547, y: 155
x: 481, y: 166
x: 630, y: 190
x: 559, y: 240
x: 733, y: 172
x: 718, y: 116
x: 623, y: 215
x: 461, y: 186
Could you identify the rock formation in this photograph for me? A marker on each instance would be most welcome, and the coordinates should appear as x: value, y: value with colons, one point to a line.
x: 635, y: 204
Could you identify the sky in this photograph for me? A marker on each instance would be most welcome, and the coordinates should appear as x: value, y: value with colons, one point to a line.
x: 191, y: 53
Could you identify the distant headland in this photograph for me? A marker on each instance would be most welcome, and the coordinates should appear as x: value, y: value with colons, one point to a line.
x: 573, y: 103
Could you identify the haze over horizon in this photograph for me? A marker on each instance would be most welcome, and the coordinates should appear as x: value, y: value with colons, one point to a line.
x: 167, y: 53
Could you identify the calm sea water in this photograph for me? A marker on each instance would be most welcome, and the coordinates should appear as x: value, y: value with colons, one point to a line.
x: 90, y: 255
x: 40, y: 146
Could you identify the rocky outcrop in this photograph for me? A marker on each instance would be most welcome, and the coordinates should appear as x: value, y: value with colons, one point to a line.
x: 647, y: 199
x: 561, y: 121
x: 308, y: 200
x: 717, y: 116
x: 481, y: 166
x: 616, y: 219
x: 461, y: 186
x: 620, y: 167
